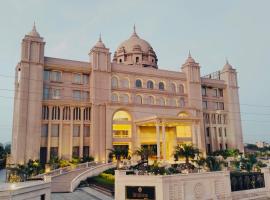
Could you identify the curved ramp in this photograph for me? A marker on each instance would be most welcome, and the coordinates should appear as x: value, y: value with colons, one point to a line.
x: 69, y: 181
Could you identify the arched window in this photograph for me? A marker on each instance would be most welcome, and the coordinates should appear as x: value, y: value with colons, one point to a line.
x: 114, y: 97
x: 161, y: 101
x: 151, y: 100
x: 181, y: 89
x: 124, y: 98
x: 125, y: 83
x: 66, y: 113
x: 150, y: 84
x: 138, y: 99
x: 55, y: 113
x: 161, y: 86
x: 121, y: 116
x: 182, y: 102
x: 45, y: 112
x: 87, y: 114
x: 173, y: 87
x: 138, y: 83
x: 121, y: 126
x: 77, y: 113
x: 182, y: 114
x: 114, y: 82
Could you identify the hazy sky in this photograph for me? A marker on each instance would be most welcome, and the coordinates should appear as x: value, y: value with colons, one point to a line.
x: 212, y: 30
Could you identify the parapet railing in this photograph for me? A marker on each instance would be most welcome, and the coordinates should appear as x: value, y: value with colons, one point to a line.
x: 67, y: 169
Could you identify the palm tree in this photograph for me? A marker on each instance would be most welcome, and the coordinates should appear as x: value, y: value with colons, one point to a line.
x: 144, y: 153
x: 119, y: 153
x: 213, y: 163
x: 187, y: 151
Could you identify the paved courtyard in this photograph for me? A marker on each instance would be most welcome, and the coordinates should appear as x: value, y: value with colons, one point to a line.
x: 81, y: 194
x: 2, y: 175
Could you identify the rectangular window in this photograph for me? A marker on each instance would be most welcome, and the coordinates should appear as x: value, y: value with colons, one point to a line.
x: 44, y: 130
x: 75, y: 152
x: 226, y: 146
x: 86, y: 131
x: 85, y: 79
x: 215, y: 92
x: 213, y: 118
x: 56, y: 93
x: 55, y: 130
x: 46, y: 75
x: 46, y: 93
x: 76, y: 130
x: 220, y: 132
x: 216, y: 105
x: 55, y: 76
x: 85, y: 95
x: 221, y: 106
x: 54, y: 152
x: 76, y: 94
x: 204, y: 104
x: 85, y: 151
x: 208, y: 131
x: 77, y: 78
x: 204, y: 91
x: 220, y: 146
x: 220, y: 92
x: 225, y: 132
x: 209, y: 150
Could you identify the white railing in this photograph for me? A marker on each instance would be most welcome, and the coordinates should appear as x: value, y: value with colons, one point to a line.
x: 93, y: 171
x: 67, y: 169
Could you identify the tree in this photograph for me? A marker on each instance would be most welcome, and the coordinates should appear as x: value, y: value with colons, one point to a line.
x: 144, y: 153
x: 119, y: 153
x: 187, y: 151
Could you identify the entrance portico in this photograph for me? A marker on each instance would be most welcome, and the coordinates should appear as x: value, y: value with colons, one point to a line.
x: 166, y: 132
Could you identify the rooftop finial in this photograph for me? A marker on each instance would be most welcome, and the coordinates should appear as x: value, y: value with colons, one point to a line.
x: 189, y: 54
x: 227, y: 62
x: 34, y: 32
x: 134, y: 28
x: 134, y: 31
x: 100, y: 40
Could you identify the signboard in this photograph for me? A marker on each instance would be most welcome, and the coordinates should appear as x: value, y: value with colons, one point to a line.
x: 140, y: 192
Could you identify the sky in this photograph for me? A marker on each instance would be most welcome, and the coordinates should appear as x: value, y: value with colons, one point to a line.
x: 212, y: 30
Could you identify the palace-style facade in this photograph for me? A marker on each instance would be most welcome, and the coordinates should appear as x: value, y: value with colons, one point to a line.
x: 69, y: 108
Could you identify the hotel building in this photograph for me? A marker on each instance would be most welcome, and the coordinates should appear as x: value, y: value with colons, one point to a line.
x: 69, y: 108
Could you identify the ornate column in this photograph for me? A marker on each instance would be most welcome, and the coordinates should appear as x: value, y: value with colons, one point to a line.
x: 164, y: 142
x: 49, y: 134
x: 158, y: 140
x: 81, y: 132
x: 60, y: 138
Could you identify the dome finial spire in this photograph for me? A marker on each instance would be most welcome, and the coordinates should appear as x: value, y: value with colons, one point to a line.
x: 134, y: 31
x: 34, y: 32
x: 189, y: 54
x: 227, y: 61
x: 99, y: 39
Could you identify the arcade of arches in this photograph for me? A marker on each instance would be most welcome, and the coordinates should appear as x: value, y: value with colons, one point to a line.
x: 161, y: 134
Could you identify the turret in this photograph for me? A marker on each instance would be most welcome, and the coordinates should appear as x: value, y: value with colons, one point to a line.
x: 28, y: 98
x: 231, y: 96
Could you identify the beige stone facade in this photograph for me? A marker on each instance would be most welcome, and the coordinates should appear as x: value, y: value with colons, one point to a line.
x: 69, y: 108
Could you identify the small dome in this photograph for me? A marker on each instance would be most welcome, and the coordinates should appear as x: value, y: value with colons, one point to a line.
x: 34, y: 32
x: 136, y: 51
x: 99, y: 43
x: 227, y: 66
x: 135, y: 42
x: 190, y: 59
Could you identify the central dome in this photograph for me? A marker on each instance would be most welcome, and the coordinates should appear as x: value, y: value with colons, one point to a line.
x: 136, y: 51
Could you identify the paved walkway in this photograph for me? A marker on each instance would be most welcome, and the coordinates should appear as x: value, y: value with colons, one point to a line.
x: 2, y: 175
x: 81, y: 194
